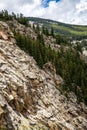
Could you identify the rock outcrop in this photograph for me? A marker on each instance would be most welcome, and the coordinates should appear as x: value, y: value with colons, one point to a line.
x: 29, y: 97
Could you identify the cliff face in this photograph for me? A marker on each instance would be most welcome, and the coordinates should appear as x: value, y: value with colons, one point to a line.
x: 29, y: 96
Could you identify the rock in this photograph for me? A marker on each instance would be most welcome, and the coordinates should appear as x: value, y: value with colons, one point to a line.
x: 83, y: 107
x: 72, y: 97
x: 1, y: 111
x: 51, y: 125
x: 80, y: 122
x: 32, y: 75
x: 11, y: 98
x: 2, y: 101
x: 45, y: 114
x: 5, y: 32
x: 49, y: 67
x: 3, y: 36
x: 29, y: 97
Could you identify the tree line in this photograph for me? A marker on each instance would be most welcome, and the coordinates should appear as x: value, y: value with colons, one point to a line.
x: 4, y: 15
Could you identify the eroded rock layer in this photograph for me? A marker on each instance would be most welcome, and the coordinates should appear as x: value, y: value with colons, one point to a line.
x: 29, y: 96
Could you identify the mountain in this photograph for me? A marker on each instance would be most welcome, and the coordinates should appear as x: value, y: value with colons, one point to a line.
x: 30, y: 97
x: 43, y: 77
x: 70, y: 31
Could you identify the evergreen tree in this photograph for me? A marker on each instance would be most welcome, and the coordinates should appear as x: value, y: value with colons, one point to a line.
x: 52, y: 32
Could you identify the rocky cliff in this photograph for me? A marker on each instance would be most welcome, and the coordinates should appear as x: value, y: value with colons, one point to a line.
x: 29, y: 97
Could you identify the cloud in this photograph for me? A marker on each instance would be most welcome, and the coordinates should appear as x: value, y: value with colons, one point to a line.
x: 67, y: 11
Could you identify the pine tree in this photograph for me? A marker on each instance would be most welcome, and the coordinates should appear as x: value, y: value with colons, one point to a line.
x: 52, y: 32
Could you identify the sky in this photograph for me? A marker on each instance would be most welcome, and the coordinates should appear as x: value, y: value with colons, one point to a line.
x: 67, y: 11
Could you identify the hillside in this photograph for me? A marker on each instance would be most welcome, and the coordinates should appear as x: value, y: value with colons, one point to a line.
x: 70, y: 31
x: 44, y: 46
x: 43, y: 78
x: 30, y: 98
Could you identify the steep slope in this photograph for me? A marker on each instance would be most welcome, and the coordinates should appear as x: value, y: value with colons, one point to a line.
x: 29, y: 96
x: 28, y: 31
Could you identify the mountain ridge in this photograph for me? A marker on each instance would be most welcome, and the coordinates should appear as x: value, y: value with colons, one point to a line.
x: 68, y: 30
x: 54, y: 21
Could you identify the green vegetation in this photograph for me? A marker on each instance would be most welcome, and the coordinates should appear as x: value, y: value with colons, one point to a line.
x: 4, y: 15
x: 68, y: 63
x: 70, y: 31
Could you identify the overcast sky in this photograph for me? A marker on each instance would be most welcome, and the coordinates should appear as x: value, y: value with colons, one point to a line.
x: 67, y: 11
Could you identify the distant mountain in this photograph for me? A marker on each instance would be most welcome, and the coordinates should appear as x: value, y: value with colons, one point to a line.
x: 71, y: 31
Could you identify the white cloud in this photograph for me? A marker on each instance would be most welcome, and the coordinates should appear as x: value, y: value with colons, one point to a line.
x: 68, y: 11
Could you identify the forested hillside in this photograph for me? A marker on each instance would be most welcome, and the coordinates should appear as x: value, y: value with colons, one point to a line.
x: 68, y: 63
x: 67, y: 59
x: 72, y: 32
